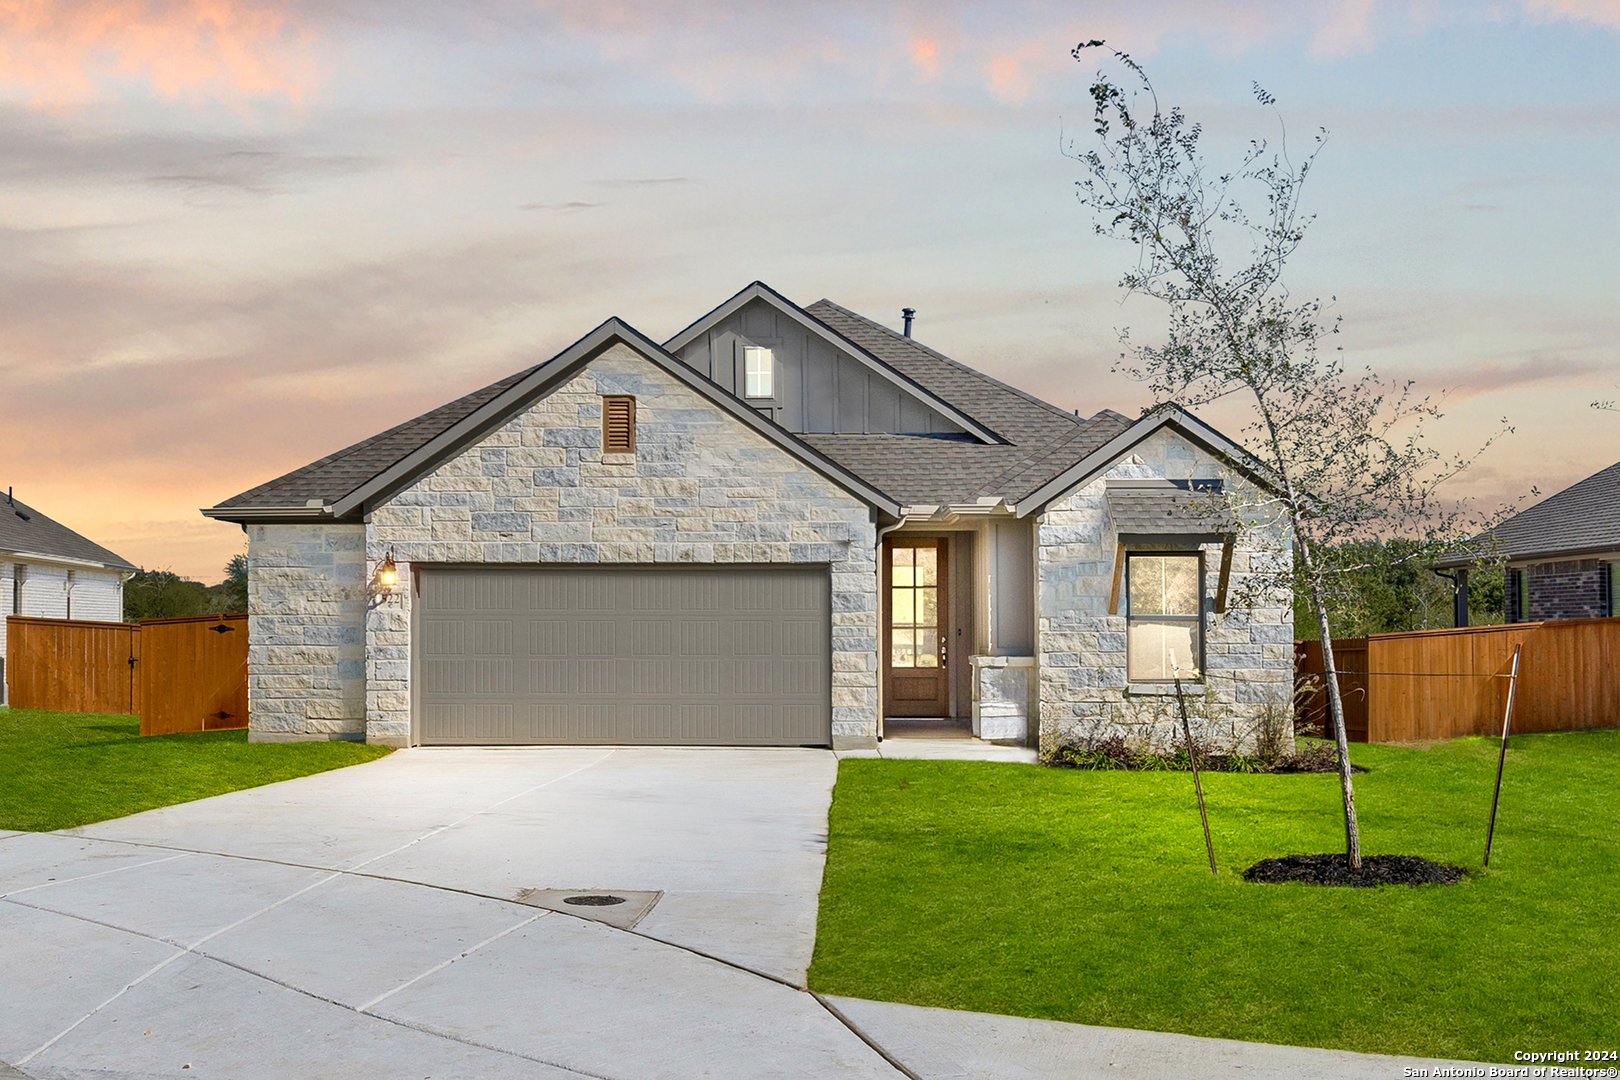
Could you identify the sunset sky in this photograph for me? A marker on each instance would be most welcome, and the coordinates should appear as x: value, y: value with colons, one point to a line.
x: 236, y: 236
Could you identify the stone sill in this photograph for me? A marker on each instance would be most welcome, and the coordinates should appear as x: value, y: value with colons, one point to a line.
x: 1001, y: 661
x: 618, y: 459
x: 1162, y: 689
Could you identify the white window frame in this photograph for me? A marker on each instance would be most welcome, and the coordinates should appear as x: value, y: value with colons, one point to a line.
x: 759, y: 362
x: 1195, y: 676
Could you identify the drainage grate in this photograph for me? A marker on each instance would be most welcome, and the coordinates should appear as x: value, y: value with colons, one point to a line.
x: 593, y: 900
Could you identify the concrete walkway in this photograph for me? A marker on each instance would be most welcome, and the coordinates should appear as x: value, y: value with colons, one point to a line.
x: 371, y: 922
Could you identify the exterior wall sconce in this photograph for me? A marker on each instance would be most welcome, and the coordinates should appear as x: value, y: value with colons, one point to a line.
x: 381, y: 588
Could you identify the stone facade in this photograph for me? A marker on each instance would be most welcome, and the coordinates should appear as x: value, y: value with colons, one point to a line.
x: 1083, y: 690
x: 701, y: 487
x: 306, y: 632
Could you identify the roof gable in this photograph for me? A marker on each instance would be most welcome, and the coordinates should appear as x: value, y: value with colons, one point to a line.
x: 901, y: 382
x: 417, y: 447
x: 25, y: 531
x: 1101, y: 459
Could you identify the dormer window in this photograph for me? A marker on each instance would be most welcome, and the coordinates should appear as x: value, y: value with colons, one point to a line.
x: 759, y: 371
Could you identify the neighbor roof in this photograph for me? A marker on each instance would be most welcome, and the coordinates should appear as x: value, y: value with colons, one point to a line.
x: 1583, y: 518
x: 25, y: 531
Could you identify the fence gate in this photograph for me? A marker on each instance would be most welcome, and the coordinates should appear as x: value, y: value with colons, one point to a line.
x: 185, y: 674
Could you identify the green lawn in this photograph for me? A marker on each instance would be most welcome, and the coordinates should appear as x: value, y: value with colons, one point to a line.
x: 1087, y: 897
x: 60, y: 769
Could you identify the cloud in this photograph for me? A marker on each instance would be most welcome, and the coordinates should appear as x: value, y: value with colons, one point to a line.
x: 62, y: 53
x: 1595, y: 12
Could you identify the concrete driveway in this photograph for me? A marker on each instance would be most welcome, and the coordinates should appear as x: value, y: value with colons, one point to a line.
x: 380, y: 921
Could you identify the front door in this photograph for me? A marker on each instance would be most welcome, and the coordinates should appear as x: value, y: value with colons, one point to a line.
x: 915, y: 670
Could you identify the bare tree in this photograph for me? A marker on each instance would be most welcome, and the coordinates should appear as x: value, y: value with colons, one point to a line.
x: 1344, y: 455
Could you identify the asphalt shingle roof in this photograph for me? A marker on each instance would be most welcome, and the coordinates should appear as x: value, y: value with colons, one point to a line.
x: 1042, y: 440
x: 335, y: 475
x: 1582, y: 517
x: 25, y: 531
x: 1161, y: 512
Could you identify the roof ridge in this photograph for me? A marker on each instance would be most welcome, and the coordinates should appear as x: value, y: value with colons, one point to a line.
x: 936, y: 354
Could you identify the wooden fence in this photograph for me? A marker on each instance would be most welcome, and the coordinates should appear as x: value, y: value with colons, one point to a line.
x: 73, y: 666
x: 1439, y: 684
x: 185, y: 674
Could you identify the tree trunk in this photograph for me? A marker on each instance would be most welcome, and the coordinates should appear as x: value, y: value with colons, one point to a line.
x: 1330, y: 673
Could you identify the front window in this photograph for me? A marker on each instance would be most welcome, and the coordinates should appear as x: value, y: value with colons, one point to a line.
x: 914, y: 607
x: 759, y: 370
x: 1164, y: 616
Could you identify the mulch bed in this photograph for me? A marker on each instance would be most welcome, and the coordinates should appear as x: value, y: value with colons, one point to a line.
x: 1335, y: 870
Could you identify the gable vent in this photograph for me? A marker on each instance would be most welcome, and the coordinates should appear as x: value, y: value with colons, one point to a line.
x: 619, y: 425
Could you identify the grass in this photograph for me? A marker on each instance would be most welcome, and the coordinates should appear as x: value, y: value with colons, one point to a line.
x: 61, y: 769
x: 1087, y: 897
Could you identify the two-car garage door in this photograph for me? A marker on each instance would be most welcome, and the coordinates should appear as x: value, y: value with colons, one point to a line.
x: 711, y: 655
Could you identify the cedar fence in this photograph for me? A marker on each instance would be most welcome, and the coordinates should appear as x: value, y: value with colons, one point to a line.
x: 184, y: 674
x: 1441, y: 684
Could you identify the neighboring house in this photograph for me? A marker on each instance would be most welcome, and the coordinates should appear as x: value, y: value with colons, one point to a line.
x: 782, y: 526
x: 50, y: 571
x: 1563, y: 554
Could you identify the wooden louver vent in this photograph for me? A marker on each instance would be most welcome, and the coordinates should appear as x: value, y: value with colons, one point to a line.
x: 618, y: 425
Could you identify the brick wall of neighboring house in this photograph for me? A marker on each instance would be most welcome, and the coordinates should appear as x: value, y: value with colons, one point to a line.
x: 1083, y: 691
x: 1568, y: 589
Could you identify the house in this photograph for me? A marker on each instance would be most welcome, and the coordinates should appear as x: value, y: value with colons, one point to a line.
x: 49, y: 571
x: 1563, y: 554
x: 782, y: 526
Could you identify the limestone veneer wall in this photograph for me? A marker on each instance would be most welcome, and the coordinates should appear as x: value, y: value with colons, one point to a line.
x: 1083, y: 691
x: 306, y: 632
x: 700, y: 488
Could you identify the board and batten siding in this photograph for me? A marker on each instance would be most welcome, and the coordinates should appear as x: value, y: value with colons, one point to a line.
x: 818, y: 388
x: 701, y: 487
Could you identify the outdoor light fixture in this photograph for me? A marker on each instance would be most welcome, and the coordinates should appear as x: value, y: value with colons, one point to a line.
x: 380, y: 589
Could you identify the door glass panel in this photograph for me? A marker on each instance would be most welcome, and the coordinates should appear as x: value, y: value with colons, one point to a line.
x: 903, y: 649
x: 928, y: 648
x: 914, y: 607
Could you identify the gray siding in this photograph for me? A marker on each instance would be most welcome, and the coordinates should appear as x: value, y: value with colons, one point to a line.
x: 819, y: 389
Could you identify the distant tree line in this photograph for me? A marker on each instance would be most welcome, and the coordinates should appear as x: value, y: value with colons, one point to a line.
x: 163, y: 594
x: 1390, y: 587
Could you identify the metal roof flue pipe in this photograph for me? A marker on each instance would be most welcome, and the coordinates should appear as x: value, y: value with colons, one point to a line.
x: 908, y: 314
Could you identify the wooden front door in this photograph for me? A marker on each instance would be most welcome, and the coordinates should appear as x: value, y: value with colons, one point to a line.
x: 915, y: 671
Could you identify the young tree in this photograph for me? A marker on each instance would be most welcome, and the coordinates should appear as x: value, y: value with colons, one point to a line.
x: 1345, y: 455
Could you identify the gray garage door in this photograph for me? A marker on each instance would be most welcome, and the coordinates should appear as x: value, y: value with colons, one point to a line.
x: 726, y: 656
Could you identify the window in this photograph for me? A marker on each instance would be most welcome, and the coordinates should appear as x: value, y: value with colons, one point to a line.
x: 914, y: 607
x: 19, y: 574
x: 70, y: 580
x: 1614, y: 588
x: 759, y: 372
x: 1164, y: 616
x: 618, y: 425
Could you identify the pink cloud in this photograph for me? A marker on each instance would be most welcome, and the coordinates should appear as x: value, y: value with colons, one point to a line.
x: 1600, y: 12
x: 67, y: 52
